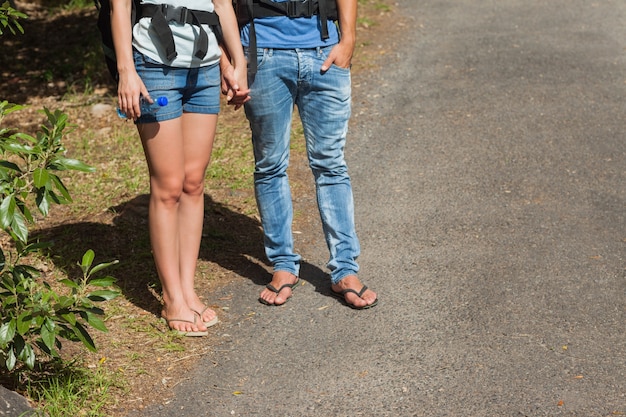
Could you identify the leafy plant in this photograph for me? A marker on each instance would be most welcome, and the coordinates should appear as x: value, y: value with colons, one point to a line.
x: 9, y: 19
x: 35, y: 316
x: 29, y: 168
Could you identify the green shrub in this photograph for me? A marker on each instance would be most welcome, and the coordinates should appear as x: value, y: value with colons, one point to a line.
x: 35, y: 316
x: 9, y: 19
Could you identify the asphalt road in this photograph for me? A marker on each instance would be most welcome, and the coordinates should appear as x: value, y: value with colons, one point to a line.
x: 489, y: 167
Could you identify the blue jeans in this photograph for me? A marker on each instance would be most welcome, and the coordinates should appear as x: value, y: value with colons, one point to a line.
x: 285, y: 78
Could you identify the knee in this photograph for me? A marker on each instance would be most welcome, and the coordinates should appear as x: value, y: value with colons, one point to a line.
x: 167, y: 198
x: 271, y: 166
x: 331, y: 166
x: 166, y: 192
x: 193, y: 186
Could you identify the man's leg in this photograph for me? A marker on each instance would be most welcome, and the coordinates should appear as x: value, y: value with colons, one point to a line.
x: 324, y: 106
x: 269, y: 113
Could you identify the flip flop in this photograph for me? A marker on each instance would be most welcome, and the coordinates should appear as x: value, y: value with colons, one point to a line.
x: 211, y: 322
x: 342, y: 296
x: 184, y: 333
x: 275, y: 290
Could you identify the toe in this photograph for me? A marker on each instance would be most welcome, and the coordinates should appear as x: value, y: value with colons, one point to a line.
x: 369, y: 297
x: 352, y: 282
x: 282, y: 296
x: 181, y: 323
x: 208, y: 314
x: 355, y: 300
x: 268, y: 296
x: 279, y: 280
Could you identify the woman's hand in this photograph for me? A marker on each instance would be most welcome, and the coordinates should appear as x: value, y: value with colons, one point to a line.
x: 129, y: 91
x: 234, y: 83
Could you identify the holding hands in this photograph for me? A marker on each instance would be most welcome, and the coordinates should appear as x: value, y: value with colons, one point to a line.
x: 234, y: 83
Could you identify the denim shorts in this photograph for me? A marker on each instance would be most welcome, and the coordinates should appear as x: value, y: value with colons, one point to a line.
x: 191, y: 90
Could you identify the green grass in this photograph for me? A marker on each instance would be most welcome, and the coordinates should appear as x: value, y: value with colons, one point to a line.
x: 74, y: 390
x: 117, y: 155
x: 78, y: 4
x: 382, y: 7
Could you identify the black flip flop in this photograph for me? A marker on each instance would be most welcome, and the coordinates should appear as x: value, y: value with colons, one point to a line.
x: 275, y: 290
x: 342, y: 296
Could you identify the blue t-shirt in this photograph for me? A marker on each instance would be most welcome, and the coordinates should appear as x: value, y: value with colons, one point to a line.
x: 282, y: 32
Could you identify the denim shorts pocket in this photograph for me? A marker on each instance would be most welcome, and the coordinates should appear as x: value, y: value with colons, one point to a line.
x: 153, y: 74
x: 211, y: 75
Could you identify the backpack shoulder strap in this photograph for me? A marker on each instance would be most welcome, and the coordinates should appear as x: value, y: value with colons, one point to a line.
x: 248, y: 10
x: 106, y: 35
x: 163, y: 14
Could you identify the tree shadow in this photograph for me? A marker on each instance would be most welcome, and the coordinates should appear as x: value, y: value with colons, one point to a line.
x: 230, y: 239
x: 59, y: 50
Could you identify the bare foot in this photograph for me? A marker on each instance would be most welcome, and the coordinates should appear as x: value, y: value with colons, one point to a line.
x: 208, y: 315
x: 354, y: 293
x: 182, y: 320
x: 279, y: 290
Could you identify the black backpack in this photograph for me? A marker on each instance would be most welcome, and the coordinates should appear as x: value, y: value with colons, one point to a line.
x: 104, y: 26
x: 248, y: 10
x: 161, y: 15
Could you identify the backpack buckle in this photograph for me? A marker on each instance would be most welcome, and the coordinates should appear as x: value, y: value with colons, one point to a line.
x: 299, y: 8
x: 175, y: 14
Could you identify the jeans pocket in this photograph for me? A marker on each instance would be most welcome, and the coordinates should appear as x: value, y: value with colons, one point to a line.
x: 323, y: 56
x: 262, y: 55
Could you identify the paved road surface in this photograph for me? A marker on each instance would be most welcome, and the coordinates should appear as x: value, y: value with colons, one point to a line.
x: 488, y: 160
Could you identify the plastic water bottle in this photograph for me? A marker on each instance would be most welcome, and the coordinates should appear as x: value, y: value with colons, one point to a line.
x: 146, y: 106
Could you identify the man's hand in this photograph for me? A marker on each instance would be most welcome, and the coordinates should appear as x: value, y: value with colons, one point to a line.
x: 235, y: 94
x: 340, y: 55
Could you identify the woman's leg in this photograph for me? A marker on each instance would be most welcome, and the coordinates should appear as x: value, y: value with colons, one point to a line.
x: 198, y: 135
x: 178, y: 152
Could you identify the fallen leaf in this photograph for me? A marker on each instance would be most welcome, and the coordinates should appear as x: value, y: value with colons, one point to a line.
x: 560, y: 403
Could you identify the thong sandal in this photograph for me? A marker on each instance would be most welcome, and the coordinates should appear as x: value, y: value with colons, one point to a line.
x: 342, y: 296
x: 211, y: 322
x: 197, y: 333
x: 277, y: 290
